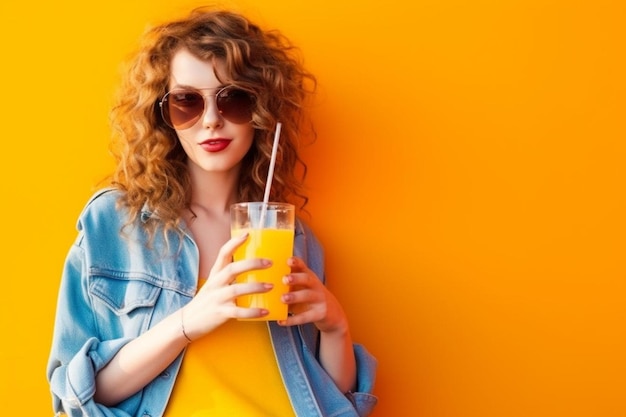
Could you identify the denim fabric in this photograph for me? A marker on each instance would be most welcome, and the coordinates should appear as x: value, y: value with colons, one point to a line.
x: 114, y: 288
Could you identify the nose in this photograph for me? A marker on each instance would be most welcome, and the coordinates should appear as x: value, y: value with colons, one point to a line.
x: 211, y: 117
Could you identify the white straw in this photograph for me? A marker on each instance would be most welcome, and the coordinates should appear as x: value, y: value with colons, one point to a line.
x: 270, y: 174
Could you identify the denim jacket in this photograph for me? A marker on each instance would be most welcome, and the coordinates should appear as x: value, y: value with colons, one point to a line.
x: 114, y: 288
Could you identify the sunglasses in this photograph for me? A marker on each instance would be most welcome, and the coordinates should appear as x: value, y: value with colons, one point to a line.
x: 182, y: 108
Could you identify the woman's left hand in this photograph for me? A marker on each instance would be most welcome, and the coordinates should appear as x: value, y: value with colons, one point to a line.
x: 310, y: 301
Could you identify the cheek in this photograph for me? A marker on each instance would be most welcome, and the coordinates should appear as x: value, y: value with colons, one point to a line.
x: 185, y: 143
x: 247, y: 138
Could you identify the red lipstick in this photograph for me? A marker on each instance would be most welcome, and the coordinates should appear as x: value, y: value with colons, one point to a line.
x: 215, y: 145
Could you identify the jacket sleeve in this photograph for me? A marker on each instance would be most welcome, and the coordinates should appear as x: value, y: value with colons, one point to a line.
x: 76, y: 354
x: 363, y: 399
x: 311, y: 251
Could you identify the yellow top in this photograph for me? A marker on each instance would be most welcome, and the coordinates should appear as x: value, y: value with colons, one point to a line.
x: 231, y: 371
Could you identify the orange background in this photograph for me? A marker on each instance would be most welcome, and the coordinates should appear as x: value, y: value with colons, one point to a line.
x: 467, y: 182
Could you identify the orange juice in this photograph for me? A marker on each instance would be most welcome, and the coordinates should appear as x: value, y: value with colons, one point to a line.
x: 274, y: 244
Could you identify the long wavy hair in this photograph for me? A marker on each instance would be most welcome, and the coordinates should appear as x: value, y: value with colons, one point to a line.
x: 151, y: 163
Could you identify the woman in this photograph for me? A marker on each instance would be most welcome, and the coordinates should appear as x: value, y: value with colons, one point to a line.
x: 146, y: 320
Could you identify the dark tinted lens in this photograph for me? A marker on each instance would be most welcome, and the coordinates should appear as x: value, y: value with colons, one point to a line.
x: 235, y: 105
x: 182, y: 109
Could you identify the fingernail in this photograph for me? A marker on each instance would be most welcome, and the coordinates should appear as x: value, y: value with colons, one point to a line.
x: 268, y: 285
x: 266, y: 262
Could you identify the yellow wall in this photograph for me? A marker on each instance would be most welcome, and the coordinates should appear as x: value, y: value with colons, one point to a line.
x: 468, y: 184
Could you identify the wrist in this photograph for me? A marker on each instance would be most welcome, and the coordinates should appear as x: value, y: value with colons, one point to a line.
x: 182, y: 326
x: 336, y: 330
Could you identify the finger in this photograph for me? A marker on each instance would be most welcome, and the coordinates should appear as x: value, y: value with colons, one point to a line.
x: 300, y: 279
x: 309, y: 316
x: 237, y: 290
x: 229, y: 273
x: 249, y: 313
x: 247, y: 288
x: 296, y: 264
x: 305, y: 296
x: 225, y: 254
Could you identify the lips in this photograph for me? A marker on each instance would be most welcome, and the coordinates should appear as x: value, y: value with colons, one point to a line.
x: 215, y: 145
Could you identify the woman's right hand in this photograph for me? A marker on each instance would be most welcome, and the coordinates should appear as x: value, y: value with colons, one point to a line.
x: 214, y: 304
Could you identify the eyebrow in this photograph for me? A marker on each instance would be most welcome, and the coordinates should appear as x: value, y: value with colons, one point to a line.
x: 190, y: 87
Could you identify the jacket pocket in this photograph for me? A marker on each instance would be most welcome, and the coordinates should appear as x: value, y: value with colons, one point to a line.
x: 123, y: 303
x: 125, y: 294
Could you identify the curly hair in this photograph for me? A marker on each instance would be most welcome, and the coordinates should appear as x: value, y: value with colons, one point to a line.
x: 151, y: 163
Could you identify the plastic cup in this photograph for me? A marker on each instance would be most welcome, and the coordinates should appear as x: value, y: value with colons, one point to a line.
x: 271, y: 240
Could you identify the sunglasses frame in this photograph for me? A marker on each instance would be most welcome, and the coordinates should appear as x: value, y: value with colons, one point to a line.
x: 166, y: 113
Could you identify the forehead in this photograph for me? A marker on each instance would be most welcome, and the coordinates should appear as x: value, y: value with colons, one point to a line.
x: 189, y: 70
